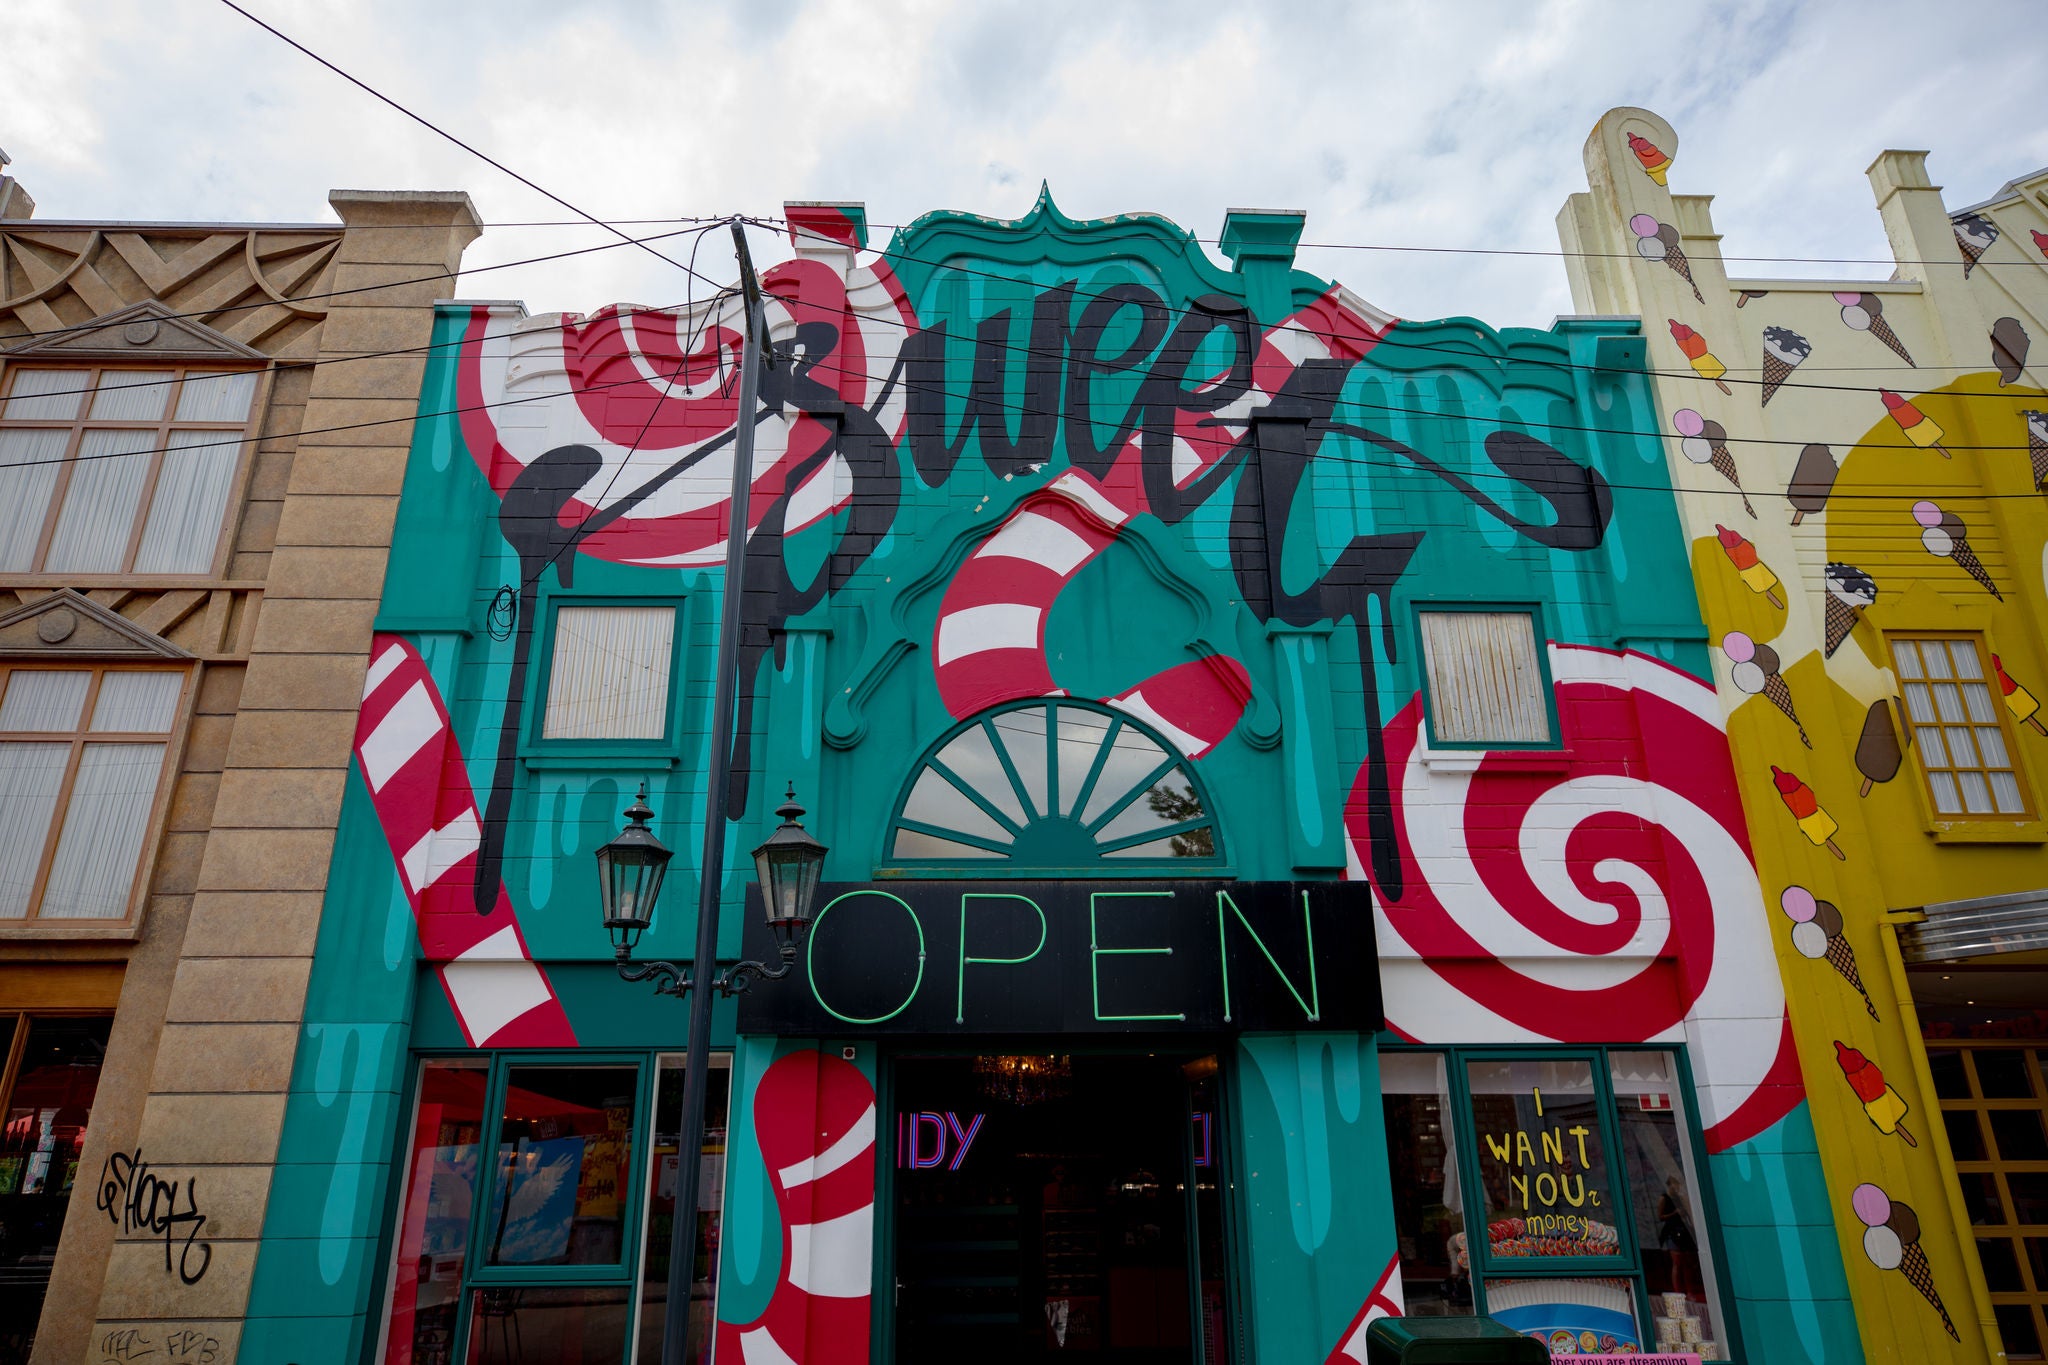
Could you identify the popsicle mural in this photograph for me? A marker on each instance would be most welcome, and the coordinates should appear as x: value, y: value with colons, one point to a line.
x: 1896, y: 598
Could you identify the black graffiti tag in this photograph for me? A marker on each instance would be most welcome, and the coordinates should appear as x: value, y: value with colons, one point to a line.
x: 137, y: 1200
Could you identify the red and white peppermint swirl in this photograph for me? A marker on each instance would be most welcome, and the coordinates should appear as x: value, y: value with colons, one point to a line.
x: 620, y: 382
x: 1604, y: 894
x: 814, y: 1118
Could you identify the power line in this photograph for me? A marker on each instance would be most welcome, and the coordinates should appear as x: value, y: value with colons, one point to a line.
x: 941, y: 264
x: 705, y: 224
x: 1423, y: 415
x: 494, y: 163
x: 201, y: 316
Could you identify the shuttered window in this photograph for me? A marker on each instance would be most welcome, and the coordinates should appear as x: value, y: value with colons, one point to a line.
x: 1485, y: 677
x: 609, y: 678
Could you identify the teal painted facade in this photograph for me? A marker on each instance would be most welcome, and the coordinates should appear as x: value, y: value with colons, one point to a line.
x: 1007, y: 459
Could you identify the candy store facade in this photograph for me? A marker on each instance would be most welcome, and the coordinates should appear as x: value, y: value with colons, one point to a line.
x: 1285, y: 865
x: 1862, y: 463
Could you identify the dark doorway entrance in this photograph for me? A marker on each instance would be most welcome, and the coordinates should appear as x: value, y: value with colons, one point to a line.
x: 1053, y: 1207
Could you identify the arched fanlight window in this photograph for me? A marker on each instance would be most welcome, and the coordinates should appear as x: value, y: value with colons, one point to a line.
x: 1054, y: 784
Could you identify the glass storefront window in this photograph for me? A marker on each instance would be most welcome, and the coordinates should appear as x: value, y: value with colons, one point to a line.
x: 538, y: 1245
x: 1589, y: 1221
x: 46, y: 1101
x: 1543, y: 1166
x: 1429, y: 1222
x: 661, y: 1209
x: 1664, y: 1192
x: 433, y: 1228
x: 563, y: 1325
x: 565, y: 1151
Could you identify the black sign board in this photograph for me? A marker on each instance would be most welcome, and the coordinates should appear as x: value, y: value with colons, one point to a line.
x: 933, y: 958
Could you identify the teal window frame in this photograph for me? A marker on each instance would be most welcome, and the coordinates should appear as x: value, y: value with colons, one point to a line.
x: 1070, y: 863
x: 1486, y: 1265
x: 477, y: 1275
x: 1538, y: 627
x: 474, y: 1277
x: 537, y: 750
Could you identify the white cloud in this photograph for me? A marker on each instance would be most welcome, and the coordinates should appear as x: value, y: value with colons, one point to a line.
x: 1424, y: 125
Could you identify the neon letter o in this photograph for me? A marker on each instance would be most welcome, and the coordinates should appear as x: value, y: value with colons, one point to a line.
x: 811, y: 949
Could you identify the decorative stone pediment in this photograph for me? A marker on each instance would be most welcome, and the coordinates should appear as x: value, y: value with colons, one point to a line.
x: 141, y: 331
x: 66, y: 622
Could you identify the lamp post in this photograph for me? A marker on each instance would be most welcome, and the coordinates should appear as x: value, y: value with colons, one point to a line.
x: 788, y: 862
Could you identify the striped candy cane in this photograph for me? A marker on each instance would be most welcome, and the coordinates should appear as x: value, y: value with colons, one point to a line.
x: 814, y: 1118
x: 413, y: 767
x: 989, y: 643
x: 1383, y: 1302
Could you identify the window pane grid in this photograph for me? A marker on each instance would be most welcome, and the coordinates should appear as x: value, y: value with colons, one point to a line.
x: 81, y: 764
x: 1958, y: 727
x: 109, y: 470
x: 1998, y: 1100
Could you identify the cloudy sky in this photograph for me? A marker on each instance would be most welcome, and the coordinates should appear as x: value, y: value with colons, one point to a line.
x: 1432, y: 125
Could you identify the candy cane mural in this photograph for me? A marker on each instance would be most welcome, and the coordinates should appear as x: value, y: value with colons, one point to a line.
x: 814, y: 1123
x: 1613, y: 901
x: 410, y: 761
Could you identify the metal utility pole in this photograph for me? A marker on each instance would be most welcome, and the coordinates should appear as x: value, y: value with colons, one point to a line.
x: 682, y: 1249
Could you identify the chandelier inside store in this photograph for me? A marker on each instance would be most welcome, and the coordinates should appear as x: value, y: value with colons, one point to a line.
x: 1024, y: 1080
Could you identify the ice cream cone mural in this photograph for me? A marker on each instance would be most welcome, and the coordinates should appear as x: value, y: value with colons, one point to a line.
x: 1865, y: 313
x: 1813, y: 478
x: 1850, y: 590
x: 1944, y: 535
x: 1974, y: 235
x: 1704, y: 362
x: 1880, y: 1101
x: 1746, y: 295
x: 2025, y: 709
x: 1918, y: 426
x: 2009, y: 345
x: 1705, y: 441
x: 1754, y: 669
x: 1755, y: 574
x: 1657, y: 241
x: 2037, y: 445
x: 1654, y: 162
x: 1891, y: 1239
x: 1877, y: 747
x: 1817, y: 936
x: 1807, y: 812
x: 1784, y: 351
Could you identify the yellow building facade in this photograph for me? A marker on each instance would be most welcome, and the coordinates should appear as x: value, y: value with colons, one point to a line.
x: 1861, y: 465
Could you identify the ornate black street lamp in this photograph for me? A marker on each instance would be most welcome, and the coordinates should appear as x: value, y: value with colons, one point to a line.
x: 629, y: 873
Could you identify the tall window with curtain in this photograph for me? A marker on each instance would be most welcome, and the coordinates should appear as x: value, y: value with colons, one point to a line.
x: 82, y: 758
x: 106, y: 470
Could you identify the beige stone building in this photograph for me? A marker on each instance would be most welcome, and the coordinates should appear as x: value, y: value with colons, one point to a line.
x: 203, y: 427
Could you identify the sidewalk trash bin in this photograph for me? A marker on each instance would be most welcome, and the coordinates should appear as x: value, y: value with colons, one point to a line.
x: 1450, y: 1341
